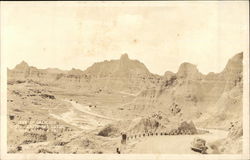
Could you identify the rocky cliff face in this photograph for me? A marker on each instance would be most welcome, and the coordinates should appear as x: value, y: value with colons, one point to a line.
x: 23, y: 71
x: 226, y: 91
x: 121, y: 67
x: 123, y: 74
x: 212, y: 99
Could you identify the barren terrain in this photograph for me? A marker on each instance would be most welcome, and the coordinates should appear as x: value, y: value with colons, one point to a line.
x: 87, y: 111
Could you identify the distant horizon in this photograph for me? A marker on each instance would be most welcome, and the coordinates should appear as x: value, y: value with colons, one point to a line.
x: 118, y: 59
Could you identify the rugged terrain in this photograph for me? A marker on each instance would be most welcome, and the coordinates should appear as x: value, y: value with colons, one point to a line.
x: 57, y: 111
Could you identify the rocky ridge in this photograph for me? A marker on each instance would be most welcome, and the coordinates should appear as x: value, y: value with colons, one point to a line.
x: 188, y: 94
x: 123, y: 74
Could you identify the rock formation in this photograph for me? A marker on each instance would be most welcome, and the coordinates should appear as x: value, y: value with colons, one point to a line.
x: 212, y: 99
x: 123, y: 74
x: 215, y: 98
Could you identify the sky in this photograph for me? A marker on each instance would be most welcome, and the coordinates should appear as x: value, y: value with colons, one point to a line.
x: 162, y: 35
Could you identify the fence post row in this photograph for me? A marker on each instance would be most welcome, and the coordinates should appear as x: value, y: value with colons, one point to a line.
x: 173, y: 132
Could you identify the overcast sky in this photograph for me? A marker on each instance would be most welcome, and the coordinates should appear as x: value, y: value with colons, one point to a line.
x: 162, y: 35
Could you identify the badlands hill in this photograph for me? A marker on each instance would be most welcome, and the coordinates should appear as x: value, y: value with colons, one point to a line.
x: 123, y: 74
x: 215, y: 98
x: 119, y: 75
x: 117, y: 96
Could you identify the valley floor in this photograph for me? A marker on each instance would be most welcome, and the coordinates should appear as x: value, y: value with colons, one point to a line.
x: 81, y: 116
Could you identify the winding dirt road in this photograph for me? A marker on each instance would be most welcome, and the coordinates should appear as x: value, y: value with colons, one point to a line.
x: 179, y: 144
x: 175, y: 144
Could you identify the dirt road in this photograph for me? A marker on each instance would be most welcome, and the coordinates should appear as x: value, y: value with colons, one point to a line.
x: 87, y: 110
x: 82, y: 117
x: 179, y: 144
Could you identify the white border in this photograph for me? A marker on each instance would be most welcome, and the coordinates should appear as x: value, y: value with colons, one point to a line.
x: 6, y: 156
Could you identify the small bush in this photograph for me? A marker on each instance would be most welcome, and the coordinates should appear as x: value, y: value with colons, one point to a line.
x: 48, y: 96
x: 19, y: 81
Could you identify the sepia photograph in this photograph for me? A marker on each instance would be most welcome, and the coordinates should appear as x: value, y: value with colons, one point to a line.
x: 124, y: 80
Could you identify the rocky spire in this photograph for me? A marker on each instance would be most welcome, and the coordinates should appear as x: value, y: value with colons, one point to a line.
x: 187, y: 69
x: 22, y: 65
x: 235, y: 63
x: 124, y: 57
